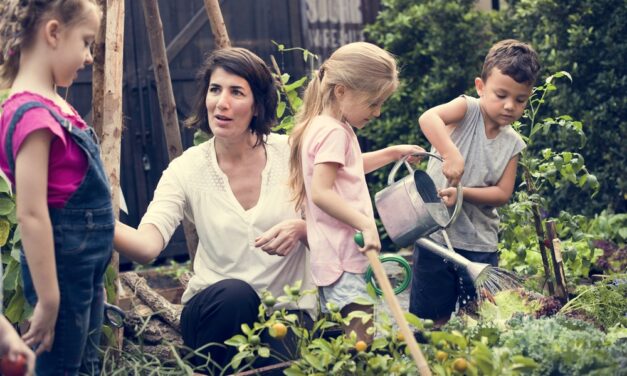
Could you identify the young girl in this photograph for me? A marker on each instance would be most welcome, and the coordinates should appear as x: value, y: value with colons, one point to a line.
x: 327, y: 170
x: 63, y: 197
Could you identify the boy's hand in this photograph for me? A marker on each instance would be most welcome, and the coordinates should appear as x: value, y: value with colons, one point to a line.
x: 448, y: 195
x: 40, y: 333
x: 453, y: 167
x: 12, y: 348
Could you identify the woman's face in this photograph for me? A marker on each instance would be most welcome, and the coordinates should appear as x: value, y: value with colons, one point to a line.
x: 230, y: 105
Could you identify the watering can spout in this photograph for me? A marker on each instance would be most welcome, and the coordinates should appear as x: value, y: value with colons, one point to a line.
x: 475, y: 269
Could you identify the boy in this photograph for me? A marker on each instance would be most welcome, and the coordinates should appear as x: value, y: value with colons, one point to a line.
x: 480, y: 152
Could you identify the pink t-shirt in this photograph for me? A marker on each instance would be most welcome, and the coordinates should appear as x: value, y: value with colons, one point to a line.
x: 67, y: 162
x: 333, y: 249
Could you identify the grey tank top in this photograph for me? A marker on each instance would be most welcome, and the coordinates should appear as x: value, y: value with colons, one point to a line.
x: 476, y: 228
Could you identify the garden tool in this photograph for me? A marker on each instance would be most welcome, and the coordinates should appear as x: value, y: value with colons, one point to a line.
x: 395, y: 307
x: 410, y: 208
x: 114, y: 315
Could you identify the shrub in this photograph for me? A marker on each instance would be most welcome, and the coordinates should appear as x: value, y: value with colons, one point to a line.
x: 585, y: 38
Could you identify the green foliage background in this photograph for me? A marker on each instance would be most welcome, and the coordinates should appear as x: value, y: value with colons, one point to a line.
x: 440, y: 46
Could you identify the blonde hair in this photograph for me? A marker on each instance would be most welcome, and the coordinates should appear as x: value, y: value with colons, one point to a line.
x: 361, y: 67
x: 19, y: 20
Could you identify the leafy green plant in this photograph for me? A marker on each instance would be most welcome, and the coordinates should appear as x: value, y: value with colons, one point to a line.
x: 561, y: 346
x: 604, y: 302
x: 585, y: 38
x: 545, y: 172
x: 15, y: 307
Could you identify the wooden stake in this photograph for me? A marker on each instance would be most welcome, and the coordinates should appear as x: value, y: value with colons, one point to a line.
x: 537, y: 221
x: 558, y: 264
x: 97, y: 82
x: 167, y: 105
x: 218, y: 27
x: 112, y: 113
x: 397, y: 312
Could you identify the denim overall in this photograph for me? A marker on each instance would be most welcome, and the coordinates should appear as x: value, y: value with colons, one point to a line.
x: 83, y: 244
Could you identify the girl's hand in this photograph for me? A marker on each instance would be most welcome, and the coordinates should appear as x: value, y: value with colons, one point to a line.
x: 453, y: 167
x: 40, y: 333
x: 371, y: 239
x: 12, y: 347
x: 282, y: 238
x: 448, y: 195
x: 401, y: 151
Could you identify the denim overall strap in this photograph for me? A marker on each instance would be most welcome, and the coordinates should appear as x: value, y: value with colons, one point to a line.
x: 83, y: 244
x: 17, y: 116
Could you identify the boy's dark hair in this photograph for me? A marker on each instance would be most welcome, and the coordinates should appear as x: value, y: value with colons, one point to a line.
x: 243, y: 63
x: 513, y: 58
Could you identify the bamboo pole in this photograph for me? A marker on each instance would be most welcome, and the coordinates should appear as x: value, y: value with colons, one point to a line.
x: 167, y: 104
x: 218, y: 27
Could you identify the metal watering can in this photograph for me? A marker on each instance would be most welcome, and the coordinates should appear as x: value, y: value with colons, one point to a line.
x: 410, y: 208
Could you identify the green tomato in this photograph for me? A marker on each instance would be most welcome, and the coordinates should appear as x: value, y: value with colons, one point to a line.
x: 427, y: 323
x: 269, y: 301
x: 254, y: 340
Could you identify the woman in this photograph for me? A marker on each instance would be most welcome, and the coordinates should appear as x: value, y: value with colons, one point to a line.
x: 234, y: 188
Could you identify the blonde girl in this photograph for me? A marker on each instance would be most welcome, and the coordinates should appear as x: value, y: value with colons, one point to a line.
x: 63, y: 200
x: 327, y: 170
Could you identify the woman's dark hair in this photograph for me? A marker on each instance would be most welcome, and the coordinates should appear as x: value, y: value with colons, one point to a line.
x: 243, y: 63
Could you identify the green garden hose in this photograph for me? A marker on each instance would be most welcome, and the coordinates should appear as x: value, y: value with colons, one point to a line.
x: 359, y: 239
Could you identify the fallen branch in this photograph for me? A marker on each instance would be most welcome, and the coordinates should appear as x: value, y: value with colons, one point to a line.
x: 169, y: 312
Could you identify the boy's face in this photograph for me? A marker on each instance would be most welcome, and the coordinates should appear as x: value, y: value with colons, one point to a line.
x: 502, y: 99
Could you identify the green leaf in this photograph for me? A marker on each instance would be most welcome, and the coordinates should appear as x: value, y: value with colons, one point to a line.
x: 264, y: 352
x: 4, y: 186
x: 5, y: 230
x: 236, y: 340
x: 281, y: 109
x: 12, y: 275
x: 6, y: 206
x: 296, y: 84
x: 15, y: 309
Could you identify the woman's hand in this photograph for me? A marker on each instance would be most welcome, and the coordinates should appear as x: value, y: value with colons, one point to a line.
x: 448, y: 195
x: 40, y: 333
x: 282, y: 238
x: 12, y: 346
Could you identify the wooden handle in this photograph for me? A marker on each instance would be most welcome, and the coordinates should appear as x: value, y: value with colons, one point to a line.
x: 397, y: 312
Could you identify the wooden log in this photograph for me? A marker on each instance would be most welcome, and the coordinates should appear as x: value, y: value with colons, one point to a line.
x: 167, y: 105
x: 218, y: 27
x: 169, y: 312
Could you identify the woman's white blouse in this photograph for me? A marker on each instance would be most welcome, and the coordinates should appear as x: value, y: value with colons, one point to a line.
x: 193, y: 185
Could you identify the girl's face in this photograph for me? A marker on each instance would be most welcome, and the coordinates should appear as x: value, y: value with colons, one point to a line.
x: 356, y: 108
x: 73, y: 49
x: 230, y: 105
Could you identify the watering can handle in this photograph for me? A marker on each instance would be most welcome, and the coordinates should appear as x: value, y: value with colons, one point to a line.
x: 403, y: 161
x: 460, y: 194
